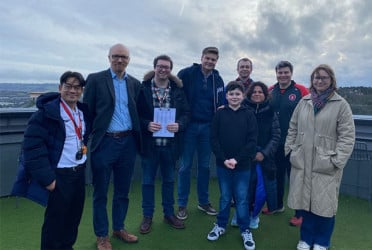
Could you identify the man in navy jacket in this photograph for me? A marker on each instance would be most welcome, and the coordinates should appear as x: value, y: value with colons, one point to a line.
x: 204, y: 89
x: 52, y: 169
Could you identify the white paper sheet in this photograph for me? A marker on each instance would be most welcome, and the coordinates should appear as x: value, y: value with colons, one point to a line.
x: 164, y: 116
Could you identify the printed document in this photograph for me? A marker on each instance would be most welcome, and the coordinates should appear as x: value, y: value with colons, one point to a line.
x: 164, y: 116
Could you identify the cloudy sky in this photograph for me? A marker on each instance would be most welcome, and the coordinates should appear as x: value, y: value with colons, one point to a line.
x: 40, y: 39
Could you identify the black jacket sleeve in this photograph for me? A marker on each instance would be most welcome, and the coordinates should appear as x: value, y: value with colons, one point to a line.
x: 35, y: 149
x: 270, y: 149
x: 249, y: 150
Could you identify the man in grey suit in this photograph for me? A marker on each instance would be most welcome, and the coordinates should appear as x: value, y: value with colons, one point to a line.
x: 111, y: 96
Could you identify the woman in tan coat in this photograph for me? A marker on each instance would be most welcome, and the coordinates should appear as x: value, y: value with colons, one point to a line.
x: 320, y: 140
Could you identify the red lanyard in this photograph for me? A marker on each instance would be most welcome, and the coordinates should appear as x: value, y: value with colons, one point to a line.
x: 77, y: 128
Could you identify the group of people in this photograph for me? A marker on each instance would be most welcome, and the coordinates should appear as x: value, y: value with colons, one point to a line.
x: 169, y: 118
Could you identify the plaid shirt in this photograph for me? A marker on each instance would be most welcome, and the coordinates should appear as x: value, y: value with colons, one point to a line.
x: 161, y: 99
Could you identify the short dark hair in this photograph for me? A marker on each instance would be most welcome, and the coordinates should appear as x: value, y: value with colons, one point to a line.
x: 263, y: 86
x: 283, y: 64
x: 234, y: 85
x: 69, y: 74
x: 244, y: 59
x: 212, y: 50
x: 165, y: 58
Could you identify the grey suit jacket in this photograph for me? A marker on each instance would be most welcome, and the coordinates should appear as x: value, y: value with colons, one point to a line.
x: 99, y: 94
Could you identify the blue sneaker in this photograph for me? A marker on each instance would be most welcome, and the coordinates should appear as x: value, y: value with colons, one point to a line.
x: 254, y: 221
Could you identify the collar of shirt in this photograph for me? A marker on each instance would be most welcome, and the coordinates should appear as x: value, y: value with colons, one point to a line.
x: 114, y: 76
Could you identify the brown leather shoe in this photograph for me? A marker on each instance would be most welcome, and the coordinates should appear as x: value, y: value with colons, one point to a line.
x: 174, y: 222
x: 145, y: 226
x: 125, y: 236
x: 103, y: 243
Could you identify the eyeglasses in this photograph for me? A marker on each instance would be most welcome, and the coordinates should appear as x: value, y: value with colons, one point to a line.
x: 322, y: 78
x: 68, y: 86
x: 165, y: 67
x: 117, y: 57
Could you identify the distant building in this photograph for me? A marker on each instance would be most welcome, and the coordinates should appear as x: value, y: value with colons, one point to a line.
x: 35, y: 94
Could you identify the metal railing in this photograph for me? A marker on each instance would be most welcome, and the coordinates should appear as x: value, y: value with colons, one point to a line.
x: 356, y: 180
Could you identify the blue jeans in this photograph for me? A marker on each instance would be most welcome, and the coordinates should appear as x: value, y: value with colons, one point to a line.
x: 115, y: 155
x: 161, y: 156
x: 197, y: 137
x: 316, y: 229
x: 234, y: 183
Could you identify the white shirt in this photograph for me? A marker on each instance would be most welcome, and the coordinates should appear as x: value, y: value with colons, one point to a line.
x: 72, y: 142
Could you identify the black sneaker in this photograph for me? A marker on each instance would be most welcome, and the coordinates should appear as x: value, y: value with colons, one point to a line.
x: 208, y: 209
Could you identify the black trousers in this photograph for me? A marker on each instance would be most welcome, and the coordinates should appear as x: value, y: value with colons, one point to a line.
x: 64, y: 210
x: 283, y: 170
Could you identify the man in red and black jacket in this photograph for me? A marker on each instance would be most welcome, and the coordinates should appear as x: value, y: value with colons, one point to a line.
x: 286, y: 94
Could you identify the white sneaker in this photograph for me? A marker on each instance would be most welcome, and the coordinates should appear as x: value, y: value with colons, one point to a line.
x: 319, y: 247
x: 302, y: 245
x: 248, y: 240
x: 216, y: 232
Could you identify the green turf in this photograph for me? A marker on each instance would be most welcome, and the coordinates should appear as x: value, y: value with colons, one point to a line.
x: 20, y: 226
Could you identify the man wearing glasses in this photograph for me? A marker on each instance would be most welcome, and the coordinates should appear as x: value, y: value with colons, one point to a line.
x: 286, y: 94
x: 54, y: 156
x: 111, y: 96
x: 162, y: 93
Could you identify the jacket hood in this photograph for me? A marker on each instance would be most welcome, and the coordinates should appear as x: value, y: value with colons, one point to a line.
x: 45, y: 98
x: 149, y: 75
x: 249, y: 102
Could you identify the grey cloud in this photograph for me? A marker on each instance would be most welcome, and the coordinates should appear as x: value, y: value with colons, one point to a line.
x: 41, y: 38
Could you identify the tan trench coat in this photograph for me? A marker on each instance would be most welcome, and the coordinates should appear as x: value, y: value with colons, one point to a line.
x: 319, y: 148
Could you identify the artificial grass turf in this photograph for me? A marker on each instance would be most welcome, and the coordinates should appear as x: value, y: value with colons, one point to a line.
x: 20, y: 226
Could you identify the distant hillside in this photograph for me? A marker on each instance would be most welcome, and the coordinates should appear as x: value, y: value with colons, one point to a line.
x: 29, y: 87
x: 16, y: 95
x: 359, y: 98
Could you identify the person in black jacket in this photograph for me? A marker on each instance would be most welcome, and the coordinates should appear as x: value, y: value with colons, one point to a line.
x: 54, y: 156
x: 233, y: 141
x: 285, y: 95
x: 161, y: 91
x: 267, y: 142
